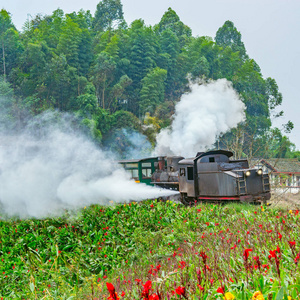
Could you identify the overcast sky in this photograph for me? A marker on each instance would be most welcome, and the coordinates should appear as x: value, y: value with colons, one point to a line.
x: 270, y: 31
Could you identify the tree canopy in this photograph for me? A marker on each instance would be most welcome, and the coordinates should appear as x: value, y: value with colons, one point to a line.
x: 99, y: 67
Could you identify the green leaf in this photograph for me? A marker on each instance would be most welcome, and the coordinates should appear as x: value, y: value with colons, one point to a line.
x: 261, y: 282
x: 31, y: 285
x: 280, y: 294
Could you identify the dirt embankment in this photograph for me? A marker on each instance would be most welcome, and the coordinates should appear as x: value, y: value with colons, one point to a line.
x: 285, y: 200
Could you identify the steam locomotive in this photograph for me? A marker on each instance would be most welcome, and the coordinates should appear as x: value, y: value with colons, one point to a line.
x: 208, y: 177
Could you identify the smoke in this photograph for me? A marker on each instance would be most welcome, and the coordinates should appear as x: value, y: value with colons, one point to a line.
x: 50, y: 166
x: 128, y: 144
x: 200, y: 117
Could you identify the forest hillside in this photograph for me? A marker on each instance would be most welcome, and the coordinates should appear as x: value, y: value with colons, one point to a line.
x: 113, y: 75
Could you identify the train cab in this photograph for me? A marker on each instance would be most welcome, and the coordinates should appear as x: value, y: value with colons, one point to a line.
x: 140, y: 170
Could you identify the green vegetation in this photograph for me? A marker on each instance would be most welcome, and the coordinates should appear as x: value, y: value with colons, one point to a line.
x: 97, y: 66
x: 200, y: 251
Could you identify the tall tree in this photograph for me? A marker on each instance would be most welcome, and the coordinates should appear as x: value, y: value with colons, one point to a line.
x: 152, y: 92
x: 84, y: 43
x: 175, y: 61
x: 170, y: 20
x: 229, y: 36
x: 5, y: 24
x: 62, y: 83
x: 109, y: 15
x: 69, y: 40
x: 200, y: 48
x: 103, y: 75
x: 141, y: 51
x: 10, y: 44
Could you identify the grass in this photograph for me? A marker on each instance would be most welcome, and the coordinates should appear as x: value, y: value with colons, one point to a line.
x: 200, y: 252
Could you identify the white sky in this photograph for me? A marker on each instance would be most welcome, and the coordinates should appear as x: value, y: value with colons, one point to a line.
x: 270, y: 31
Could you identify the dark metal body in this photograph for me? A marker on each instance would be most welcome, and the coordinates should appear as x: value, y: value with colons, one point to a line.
x: 212, y: 176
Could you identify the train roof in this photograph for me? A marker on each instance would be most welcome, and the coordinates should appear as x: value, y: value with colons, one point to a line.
x: 137, y: 160
x: 214, y: 152
x: 183, y: 161
x: 190, y: 161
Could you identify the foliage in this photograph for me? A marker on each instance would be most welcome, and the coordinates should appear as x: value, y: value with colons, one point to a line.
x: 229, y: 36
x: 241, y: 249
x: 136, y: 68
x: 109, y: 15
x: 10, y: 44
x: 152, y: 92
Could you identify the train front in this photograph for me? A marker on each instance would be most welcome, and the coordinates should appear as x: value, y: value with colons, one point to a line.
x: 212, y: 176
x: 253, y: 185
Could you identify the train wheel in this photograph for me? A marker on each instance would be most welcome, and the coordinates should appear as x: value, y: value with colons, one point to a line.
x: 188, y: 201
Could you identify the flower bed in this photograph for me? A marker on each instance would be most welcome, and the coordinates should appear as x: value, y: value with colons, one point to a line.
x: 153, y: 250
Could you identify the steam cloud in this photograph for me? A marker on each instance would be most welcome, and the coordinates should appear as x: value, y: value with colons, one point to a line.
x: 200, y: 117
x: 50, y: 167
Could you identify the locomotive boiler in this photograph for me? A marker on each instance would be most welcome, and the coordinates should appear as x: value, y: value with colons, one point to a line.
x: 212, y: 177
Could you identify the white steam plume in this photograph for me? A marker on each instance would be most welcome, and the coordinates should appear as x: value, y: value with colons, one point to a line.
x: 200, y: 117
x: 49, y: 168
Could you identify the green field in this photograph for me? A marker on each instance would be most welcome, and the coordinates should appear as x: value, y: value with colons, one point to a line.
x: 201, y: 252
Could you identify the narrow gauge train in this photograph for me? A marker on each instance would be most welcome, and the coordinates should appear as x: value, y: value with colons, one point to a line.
x: 209, y: 177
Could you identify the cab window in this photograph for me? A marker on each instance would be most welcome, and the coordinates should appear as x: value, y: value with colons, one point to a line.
x: 146, y: 173
x: 190, y: 173
x: 182, y: 171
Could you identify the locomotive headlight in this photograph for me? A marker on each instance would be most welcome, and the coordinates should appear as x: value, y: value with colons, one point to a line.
x: 247, y: 173
x: 259, y: 171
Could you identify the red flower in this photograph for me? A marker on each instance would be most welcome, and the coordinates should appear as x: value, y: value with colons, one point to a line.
x: 112, y: 291
x: 154, y: 297
x: 147, y: 288
x: 220, y: 290
x: 246, y: 253
x: 110, y: 287
x: 256, y: 258
x: 266, y: 267
x: 180, y: 290
x: 279, y: 235
x: 297, y: 258
x: 200, y: 287
x: 292, y: 243
x: 272, y: 253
